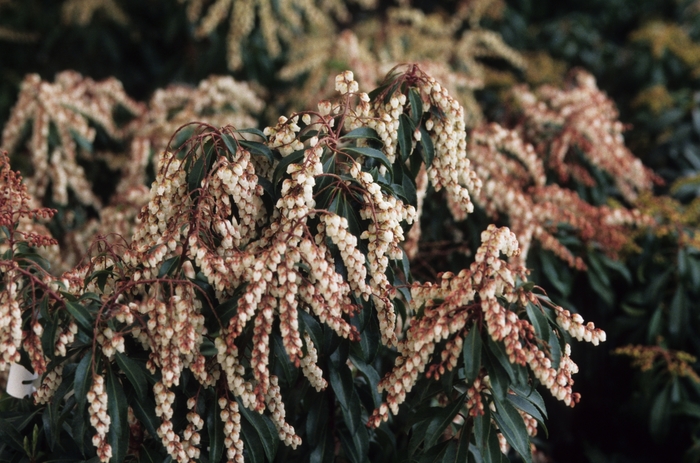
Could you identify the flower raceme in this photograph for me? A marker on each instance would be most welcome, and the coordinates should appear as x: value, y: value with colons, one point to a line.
x: 257, y: 248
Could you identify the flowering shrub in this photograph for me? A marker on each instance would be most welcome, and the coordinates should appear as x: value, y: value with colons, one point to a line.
x: 262, y: 255
x: 372, y: 288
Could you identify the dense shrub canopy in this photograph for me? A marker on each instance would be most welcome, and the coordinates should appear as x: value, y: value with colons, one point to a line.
x: 378, y: 275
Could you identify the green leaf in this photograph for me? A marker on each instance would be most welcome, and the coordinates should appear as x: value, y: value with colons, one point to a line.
x: 660, y: 414
x: 254, y: 452
x: 117, y: 410
x: 428, y: 147
x: 342, y: 384
x: 228, y: 309
x: 280, y: 358
x: 134, y: 372
x: 486, y: 439
x: 265, y: 430
x: 555, y: 350
x: 324, y: 451
x: 79, y: 428
x: 215, y: 427
x: 471, y: 351
x: 513, y: 428
x: 497, y: 375
x: 281, y: 169
x: 145, y: 411
x: 317, y: 419
x: 416, y: 105
x: 618, y: 266
x: 362, y: 133
x: 531, y: 395
x: 405, y: 136
x: 366, y: 349
x: 372, y: 153
x: 168, y: 266
x: 48, y: 337
x: 539, y: 321
x: 83, y: 377
x: 254, y: 131
x: 597, y: 266
x: 199, y: 169
x: 355, y: 444
x: 372, y: 378
x: 257, y: 148
x: 50, y: 424
x: 498, y: 351
x: 312, y: 328
x: 527, y: 406
x: 82, y: 142
x: 601, y: 289
x: 81, y: 315
x: 462, y: 450
x: 555, y: 275
x: 182, y: 135
x: 230, y: 142
x: 149, y: 455
x: 678, y: 314
x: 442, y: 420
x: 10, y: 435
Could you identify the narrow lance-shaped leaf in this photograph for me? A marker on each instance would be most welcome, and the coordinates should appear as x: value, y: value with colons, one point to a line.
x: 441, y: 420
x: 362, y: 133
x: 265, y: 430
x: 134, y: 373
x: 416, y: 105
x: 216, y: 429
x: 117, y: 410
x: 405, y: 136
x: 471, y: 351
x: 83, y: 375
x: 257, y: 149
x: 428, y: 147
x: 81, y: 314
x: 513, y: 428
x: 370, y: 153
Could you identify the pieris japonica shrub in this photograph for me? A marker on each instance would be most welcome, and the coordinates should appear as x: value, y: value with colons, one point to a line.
x: 264, y: 307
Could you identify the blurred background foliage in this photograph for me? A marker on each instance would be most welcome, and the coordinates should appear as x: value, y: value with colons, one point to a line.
x: 641, y: 395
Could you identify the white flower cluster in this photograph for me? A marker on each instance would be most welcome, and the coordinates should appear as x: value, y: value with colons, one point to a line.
x: 232, y: 430
x: 191, y: 436
x: 451, y: 167
x: 110, y: 341
x: 309, y: 366
x: 65, y: 337
x: 165, y: 399
x: 10, y: 323
x: 32, y: 345
x: 69, y: 104
x: 573, y: 324
x: 174, y: 331
x: 336, y: 228
x: 450, y: 308
x: 345, y: 83
x: 384, y: 234
x: 276, y: 406
x: 584, y: 119
x: 284, y: 135
x: 49, y: 384
x: 99, y: 419
x: 239, y: 182
x: 382, y: 117
x: 159, y: 221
